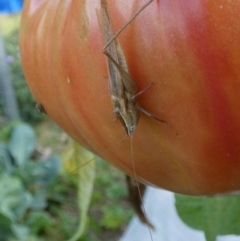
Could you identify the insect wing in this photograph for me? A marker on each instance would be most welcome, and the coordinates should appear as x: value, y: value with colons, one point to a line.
x: 115, y: 84
x: 128, y: 82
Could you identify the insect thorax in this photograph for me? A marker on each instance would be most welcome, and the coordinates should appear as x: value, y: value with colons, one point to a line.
x: 127, y: 113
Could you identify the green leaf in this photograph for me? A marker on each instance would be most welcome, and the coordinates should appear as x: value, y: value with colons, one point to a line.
x: 39, y: 222
x: 14, y: 200
x: 114, y: 216
x: 5, y: 226
x: 78, y: 156
x: 213, y: 215
x: 22, y: 143
x: 51, y: 168
x: 24, y: 202
x: 20, y: 231
x: 5, y: 160
x: 39, y: 201
x: 42, y: 172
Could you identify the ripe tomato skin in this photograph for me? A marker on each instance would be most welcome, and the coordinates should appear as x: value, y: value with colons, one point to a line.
x: 188, y: 49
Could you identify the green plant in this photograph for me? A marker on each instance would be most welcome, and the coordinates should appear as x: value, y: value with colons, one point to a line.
x: 113, y: 192
x: 6, y: 130
x: 60, y: 201
x: 27, y: 182
x: 39, y: 221
x: 219, y: 215
x: 114, y: 216
x: 24, y: 97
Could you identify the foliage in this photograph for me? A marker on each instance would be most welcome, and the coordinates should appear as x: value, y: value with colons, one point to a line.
x: 114, y: 216
x: 110, y: 188
x: 26, y: 180
x: 213, y: 215
x: 39, y: 221
x: 113, y: 186
x: 6, y: 130
x: 25, y: 99
x: 54, y: 210
x: 75, y: 156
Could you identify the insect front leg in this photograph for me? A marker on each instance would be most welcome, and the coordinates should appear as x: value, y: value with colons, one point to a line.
x: 152, y: 116
x: 142, y: 91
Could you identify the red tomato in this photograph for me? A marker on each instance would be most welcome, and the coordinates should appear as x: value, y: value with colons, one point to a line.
x: 190, y: 50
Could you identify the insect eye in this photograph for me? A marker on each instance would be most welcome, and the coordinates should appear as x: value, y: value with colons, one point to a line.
x: 132, y: 129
